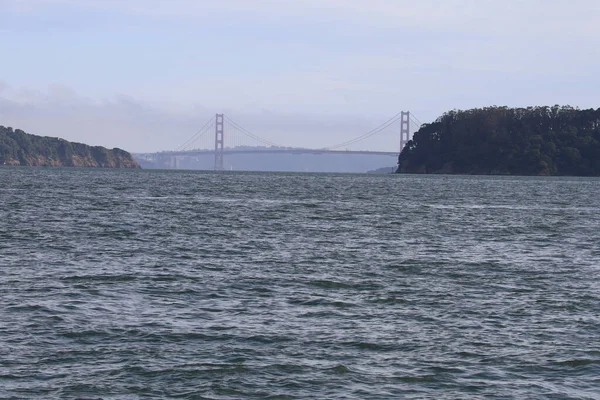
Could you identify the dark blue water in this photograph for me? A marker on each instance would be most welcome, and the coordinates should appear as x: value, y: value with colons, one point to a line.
x: 157, y: 285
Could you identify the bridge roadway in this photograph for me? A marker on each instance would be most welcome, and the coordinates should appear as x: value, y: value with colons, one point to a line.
x: 270, y: 151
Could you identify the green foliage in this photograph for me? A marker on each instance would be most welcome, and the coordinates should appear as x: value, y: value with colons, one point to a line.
x: 20, y: 148
x: 501, y: 140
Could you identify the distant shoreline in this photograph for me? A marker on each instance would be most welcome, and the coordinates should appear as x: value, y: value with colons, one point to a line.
x: 18, y: 148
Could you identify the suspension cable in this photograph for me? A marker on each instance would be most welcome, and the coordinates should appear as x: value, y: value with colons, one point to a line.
x: 201, y: 132
x: 416, y: 120
x: 250, y: 134
x: 372, y: 132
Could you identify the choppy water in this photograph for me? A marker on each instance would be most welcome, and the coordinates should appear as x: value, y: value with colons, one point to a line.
x: 158, y: 285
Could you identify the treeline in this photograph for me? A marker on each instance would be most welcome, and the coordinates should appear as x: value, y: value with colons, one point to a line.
x: 501, y: 140
x: 20, y: 148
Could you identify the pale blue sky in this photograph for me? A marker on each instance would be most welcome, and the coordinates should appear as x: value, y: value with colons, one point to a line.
x: 145, y: 74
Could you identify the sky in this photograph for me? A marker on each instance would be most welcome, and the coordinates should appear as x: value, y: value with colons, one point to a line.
x: 145, y: 75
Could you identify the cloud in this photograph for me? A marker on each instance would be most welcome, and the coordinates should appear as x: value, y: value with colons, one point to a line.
x: 3, y: 86
x: 449, y: 10
x: 119, y: 122
x: 513, y: 17
x: 140, y: 126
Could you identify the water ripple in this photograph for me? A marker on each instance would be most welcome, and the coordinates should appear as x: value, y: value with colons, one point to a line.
x: 155, y: 285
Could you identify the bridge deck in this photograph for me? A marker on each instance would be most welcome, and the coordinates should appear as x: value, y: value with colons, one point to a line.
x: 271, y: 151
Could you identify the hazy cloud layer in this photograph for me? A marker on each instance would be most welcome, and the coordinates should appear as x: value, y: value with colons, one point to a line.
x: 143, y: 127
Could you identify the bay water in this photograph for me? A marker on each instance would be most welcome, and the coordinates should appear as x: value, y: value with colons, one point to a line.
x: 197, y: 285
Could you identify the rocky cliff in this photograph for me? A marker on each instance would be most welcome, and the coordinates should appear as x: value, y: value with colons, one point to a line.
x: 20, y: 148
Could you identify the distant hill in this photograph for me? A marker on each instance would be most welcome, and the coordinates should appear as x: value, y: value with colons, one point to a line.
x: 382, y: 170
x: 512, y: 141
x: 20, y: 148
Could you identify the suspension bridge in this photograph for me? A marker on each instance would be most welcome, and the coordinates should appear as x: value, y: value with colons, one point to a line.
x: 221, y: 136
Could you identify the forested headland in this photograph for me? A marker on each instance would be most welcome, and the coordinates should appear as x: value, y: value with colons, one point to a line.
x: 20, y: 148
x: 559, y: 140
